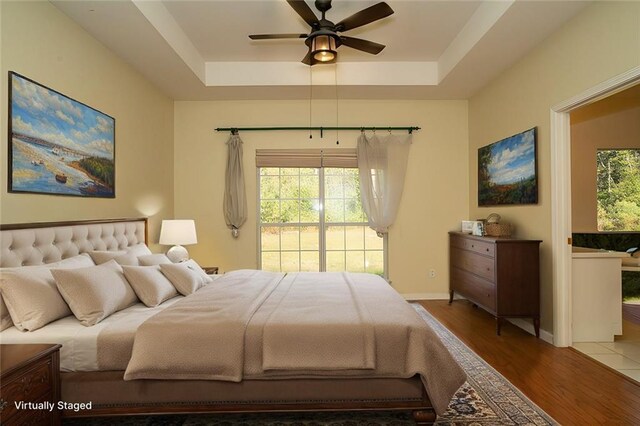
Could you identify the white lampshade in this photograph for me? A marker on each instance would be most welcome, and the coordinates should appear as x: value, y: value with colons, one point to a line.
x: 178, y: 232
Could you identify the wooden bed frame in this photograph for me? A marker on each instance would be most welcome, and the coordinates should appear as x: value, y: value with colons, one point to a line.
x: 112, y: 396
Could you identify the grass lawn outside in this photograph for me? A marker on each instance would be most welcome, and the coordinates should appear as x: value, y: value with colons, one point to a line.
x: 352, y: 248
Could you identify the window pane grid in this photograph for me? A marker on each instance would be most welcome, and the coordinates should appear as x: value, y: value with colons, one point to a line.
x: 291, y: 205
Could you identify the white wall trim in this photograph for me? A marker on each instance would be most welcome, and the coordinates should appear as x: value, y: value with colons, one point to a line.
x: 599, y: 91
x: 346, y: 73
x: 561, y: 196
x: 480, y: 23
x: 166, y: 25
x: 561, y: 226
x: 426, y: 296
x: 528, y: 327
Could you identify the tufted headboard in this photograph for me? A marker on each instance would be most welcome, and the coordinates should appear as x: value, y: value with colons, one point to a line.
x: 46, y: 242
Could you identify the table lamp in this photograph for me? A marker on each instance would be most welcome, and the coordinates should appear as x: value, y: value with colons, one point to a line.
x: 178, y: 233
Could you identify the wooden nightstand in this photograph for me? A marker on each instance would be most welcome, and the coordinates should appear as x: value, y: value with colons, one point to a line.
x: 210, y: 270
x: 29, y: 373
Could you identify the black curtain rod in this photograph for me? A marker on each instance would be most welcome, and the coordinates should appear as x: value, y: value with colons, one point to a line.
x: 235, y: 130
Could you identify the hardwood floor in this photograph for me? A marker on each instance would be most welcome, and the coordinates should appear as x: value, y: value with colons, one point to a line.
x: 569, y: 386
x: 631, y: 312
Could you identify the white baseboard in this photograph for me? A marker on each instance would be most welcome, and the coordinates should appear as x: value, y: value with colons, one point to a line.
x: 528, y: 327
x: 427, y: 296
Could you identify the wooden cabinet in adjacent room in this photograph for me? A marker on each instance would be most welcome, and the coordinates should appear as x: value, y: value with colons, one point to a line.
x: 501, y: 275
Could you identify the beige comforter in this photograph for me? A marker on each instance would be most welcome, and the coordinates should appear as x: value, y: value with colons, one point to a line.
x: 256, y: 324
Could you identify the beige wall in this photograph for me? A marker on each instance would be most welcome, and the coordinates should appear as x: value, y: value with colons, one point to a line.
x: 600, y: 43
x: 434, y: 199
x: 40, y: 42
x: 613, y: 122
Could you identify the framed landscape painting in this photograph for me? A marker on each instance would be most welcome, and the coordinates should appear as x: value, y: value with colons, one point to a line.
x: 507, y: 171
x: 58, y: 145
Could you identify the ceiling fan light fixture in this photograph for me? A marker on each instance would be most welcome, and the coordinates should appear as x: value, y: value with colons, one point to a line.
x: 323, y: 48
x: 324, y: 39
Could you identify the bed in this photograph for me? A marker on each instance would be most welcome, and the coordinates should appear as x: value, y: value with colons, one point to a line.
x: 130, y: 363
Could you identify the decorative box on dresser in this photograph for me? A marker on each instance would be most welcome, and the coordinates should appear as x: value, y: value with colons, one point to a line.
x: 501, y: 275
x: 30, y: 374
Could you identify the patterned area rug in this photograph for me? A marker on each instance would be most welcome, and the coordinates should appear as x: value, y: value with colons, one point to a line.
x: 486, y: 399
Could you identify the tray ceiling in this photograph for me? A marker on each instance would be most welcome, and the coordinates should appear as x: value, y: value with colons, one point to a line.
x: 196, y: 50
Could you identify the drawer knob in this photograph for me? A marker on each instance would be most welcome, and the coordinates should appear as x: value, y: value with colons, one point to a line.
x: 3, y: 404
x: 487, y: 249
x: 472, y: 246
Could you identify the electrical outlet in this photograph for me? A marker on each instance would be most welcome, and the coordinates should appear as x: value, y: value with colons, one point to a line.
x: 432, y: 273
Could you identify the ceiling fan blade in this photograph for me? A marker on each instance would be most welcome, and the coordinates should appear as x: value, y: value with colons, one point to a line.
x: 276, y: 36
x: 304, y: 11
x: 365, y: 16
x: 364, y: 45
x: 307, y: 59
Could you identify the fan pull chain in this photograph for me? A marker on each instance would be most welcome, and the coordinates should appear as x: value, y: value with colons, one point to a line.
x: 337, y: 105
x: 310, y: 99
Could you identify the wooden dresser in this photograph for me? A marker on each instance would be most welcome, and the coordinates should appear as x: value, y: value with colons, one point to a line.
x: 29, y: 374
x: 501, y: 275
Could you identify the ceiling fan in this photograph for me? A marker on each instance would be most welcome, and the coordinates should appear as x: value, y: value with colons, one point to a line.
x: 323, y: 40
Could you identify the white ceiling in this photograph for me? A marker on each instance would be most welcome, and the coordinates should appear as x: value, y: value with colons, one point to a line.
x: 219, y: 30
x: 196, y: 50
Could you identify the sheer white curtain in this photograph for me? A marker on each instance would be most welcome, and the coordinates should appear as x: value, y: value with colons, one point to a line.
x: 382, y: 162
x: 235, y: 197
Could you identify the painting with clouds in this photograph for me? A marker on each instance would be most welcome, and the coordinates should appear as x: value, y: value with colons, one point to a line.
x: 507, y: 171
x: 58, y: 145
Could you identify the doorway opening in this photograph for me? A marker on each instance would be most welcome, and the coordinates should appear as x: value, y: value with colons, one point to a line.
x: 562, y: 227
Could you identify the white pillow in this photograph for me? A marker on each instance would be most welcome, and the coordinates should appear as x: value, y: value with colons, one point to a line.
x: 128, y: 256
x: 151, y: 286
x: 153, y: 259
x: 187, y: 277
x: 5, y: 316
x: 128, y: 259
x: 95, y: 293
x: 139, y: 250
x: 103, y: 256
x: 31, y: 295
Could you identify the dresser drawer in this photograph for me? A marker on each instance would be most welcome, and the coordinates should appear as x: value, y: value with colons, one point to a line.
x: 476, y: 246
x: 474, y: 263
x: 456, y: 241
x: 474, y: 288
x: 488, y: 249
x: 29, y: 386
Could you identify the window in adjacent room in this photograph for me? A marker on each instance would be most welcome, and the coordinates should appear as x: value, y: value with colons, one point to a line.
x: 311, y: 219
x: 618, y: 180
